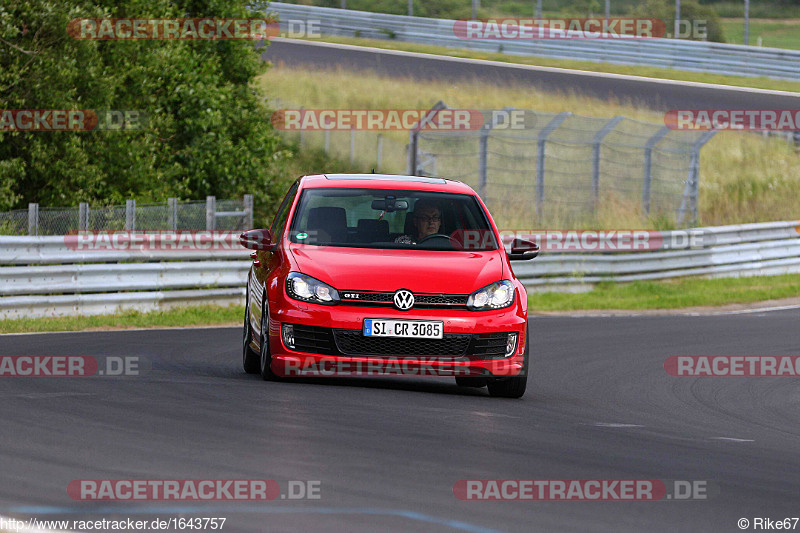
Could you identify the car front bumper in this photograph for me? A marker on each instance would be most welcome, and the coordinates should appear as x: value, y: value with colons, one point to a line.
x: 329, y: 342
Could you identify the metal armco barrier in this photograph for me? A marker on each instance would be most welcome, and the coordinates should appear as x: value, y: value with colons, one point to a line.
x: 699, y: 56
x: 41, y: 276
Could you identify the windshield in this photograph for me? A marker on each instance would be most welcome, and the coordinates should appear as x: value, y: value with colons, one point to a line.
x: 384, y: 218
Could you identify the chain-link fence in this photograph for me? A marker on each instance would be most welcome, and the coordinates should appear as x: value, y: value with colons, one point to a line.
x: 565, y: 168
x: 384, y: 151
x: 552, y: 169
x: 211, y: 214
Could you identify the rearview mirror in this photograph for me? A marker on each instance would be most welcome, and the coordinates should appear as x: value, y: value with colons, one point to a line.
x: 257, y: 239
x: 522, y: 250
x: 389, y: 205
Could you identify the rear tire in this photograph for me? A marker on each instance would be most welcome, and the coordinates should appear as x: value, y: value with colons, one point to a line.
x: 265, y: 355
x: 249, y: 356
x: 513, y: 387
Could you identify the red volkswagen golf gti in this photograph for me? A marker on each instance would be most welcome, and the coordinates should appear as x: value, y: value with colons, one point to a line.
x: 365, y: 274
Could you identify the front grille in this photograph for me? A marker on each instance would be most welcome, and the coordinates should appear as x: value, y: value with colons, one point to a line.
x: 441, y: 299
x: 327, y: 341
x: 421, y: 301
x: 353, y: 342
x: 312, y: 339
x: 489, y: 344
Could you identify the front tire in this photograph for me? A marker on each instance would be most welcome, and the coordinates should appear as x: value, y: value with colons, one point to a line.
x: 250, y: 357
x: 265, y: 355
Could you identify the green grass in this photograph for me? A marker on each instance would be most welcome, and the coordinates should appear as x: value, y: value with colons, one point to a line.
x: 650, y: 72
x: 672, y: 294
x: 758, y: 9
x: 201, y: 315
x: 775, y: 33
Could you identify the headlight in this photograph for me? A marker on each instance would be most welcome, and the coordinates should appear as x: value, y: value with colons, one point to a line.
x: 308, y: 289
x: 494, y: 296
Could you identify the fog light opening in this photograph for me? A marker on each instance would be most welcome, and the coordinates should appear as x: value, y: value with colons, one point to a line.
x: 288, y: 336
x: 511, y: 344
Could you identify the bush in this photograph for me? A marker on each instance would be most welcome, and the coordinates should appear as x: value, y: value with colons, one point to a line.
x: 690, y: 11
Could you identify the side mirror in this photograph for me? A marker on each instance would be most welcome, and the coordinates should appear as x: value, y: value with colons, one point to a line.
x: 522, y: 250
x: 257, y: 239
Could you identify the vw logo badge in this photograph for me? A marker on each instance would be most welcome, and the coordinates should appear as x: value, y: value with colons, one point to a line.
x: 403, y: 300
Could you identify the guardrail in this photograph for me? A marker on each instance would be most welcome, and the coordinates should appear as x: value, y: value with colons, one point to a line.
x: 42, y: 276
x: 699, y: 56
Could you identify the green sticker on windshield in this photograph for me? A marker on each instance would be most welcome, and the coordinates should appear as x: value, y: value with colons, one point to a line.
x: 302, y: 235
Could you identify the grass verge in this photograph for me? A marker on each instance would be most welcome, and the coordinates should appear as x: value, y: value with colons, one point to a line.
x: 671, y: 294
x: 200, y: 315
x: 590, y: 66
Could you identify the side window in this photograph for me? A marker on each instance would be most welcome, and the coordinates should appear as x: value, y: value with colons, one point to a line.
x: 283, y: 213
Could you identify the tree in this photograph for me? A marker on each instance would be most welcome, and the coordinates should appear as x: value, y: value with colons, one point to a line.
x: 207, y: 130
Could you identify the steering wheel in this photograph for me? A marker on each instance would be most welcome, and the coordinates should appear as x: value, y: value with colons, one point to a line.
x: 435, y: 236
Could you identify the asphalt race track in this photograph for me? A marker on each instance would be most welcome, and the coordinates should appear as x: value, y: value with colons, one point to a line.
x: 656, y: 94
x: 387, y: 452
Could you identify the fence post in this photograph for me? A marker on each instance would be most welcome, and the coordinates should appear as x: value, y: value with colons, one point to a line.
x: 380, y: 152
x: 130, y: 215
x: 33, y: 219
x: 83, y: 216
x: 692, y: 187
x: 302, y: 112
x: 483, y: 165
x: 248, y: 211
x: 598, y: 139
x: 211, y: 213
x: 413, y: 141
x: 413, y: 144
x: 352, y: 145
x: 327, y: 141
x: 172, y: 214
x: 540, y: 142
x: 648, y: 166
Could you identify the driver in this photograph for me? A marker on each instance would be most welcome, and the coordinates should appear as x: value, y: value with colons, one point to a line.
x: 427, y: 221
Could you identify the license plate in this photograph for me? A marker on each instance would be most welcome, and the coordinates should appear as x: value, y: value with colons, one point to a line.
x: 414, y: 329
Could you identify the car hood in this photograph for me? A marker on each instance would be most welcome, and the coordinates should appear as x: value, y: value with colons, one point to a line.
x: 429, y: 271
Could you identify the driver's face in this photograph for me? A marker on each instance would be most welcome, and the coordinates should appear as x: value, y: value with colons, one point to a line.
x: 427, y: 221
